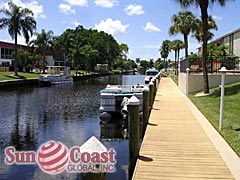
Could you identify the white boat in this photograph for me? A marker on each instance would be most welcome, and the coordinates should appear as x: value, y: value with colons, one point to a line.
x: 114, y: 99
x: 59, y: 75
x: 150, y: 73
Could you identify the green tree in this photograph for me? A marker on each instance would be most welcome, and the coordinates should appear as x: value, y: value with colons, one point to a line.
x: 89, y: 47
x: 43, y: 42
x: 123, y: 50
x: 204, y: 5
x: 159, y: 64
x: 90, y: 55
x: 66, y: 40
x: 165, y: 50
x: 176, y: 45
x: 185, y: 23
x: 20, y: 21
x: 151, y: 63
x: 198, y: 31
x: 24, y: 58
x: 214, y: 50
x: 138, y: 60
x: 144, y: 64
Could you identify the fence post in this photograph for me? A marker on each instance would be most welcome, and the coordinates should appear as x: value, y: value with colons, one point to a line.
x: 145, y: 108
x: 223, y: 71
x: 187, y: 81
x: 134, y: 133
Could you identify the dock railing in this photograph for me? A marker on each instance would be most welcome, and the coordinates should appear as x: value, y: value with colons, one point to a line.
x: 134, y: 120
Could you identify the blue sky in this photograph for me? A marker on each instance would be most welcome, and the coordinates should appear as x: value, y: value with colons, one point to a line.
x: 141, y: 24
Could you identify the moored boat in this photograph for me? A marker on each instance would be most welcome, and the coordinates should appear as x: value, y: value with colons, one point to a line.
x: 56, y: 77
x: 114, y: 99
x: 150, y: 73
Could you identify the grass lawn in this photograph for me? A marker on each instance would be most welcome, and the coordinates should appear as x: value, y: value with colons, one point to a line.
x: 21, y: 75
x: 210, y: 105
x: 174, y: 78
x: 83, y: 72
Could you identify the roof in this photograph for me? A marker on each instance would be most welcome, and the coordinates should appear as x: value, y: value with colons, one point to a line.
x: 152, y: 70
x: 226, y: 35
x: 12, y: 45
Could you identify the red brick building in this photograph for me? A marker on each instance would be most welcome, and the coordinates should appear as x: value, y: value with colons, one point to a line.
x: 6, y: 50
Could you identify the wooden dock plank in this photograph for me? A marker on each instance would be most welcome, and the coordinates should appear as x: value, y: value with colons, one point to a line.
x: 175, y: 146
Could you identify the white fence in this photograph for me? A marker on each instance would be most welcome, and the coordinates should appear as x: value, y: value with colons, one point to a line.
x: 194, y: 82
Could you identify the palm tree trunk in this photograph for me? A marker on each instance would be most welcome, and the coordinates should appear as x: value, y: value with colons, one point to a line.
x: 16, y: 58
x: 178, y: 54
x: 186, y: 45
x: 175, y: 63
x: 204, y: 14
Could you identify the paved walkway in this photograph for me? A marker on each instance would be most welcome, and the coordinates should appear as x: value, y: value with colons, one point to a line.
x: 179, y: 143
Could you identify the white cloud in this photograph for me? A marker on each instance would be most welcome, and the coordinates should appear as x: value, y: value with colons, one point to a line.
x: 75, y: 23
x: 77, y: 2
x: 33, y: 6
x: 43, y: 16
x: 149, y: 27
x: 112, y: 27
x: 217, y: 17
x: 134, y: 10
x: 106, y: 3
x: 66, y: 9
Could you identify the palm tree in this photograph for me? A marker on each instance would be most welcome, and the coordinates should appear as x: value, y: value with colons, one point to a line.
x: 204, y: 5
x: 198, y: 31
x: 184, y: 23
x: 20, y: 21
x: 66, y: 40
x: 176, y: 45
x: 165, y: 50
x: 138, y: 60
x: 43, y: 43
x: 90, y: 55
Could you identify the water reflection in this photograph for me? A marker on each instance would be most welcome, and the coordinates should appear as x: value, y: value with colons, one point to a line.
x: 31, y: 116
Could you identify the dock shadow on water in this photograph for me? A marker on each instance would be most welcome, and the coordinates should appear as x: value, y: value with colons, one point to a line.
x: 31, y: 116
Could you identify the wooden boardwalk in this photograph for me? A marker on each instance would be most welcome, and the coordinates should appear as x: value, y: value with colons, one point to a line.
x: 175, y: 146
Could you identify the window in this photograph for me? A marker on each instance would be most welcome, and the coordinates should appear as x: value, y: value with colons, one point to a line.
x: 6, y: 53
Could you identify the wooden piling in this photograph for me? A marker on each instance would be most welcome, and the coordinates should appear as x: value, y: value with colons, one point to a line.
x: 145, y: 108
x: 134, y: 133
x: 93, y: 176
x: 154, y: 87
x: 151, y: 94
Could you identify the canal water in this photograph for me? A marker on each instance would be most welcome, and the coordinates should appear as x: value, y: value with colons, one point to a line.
x: 31, y: 116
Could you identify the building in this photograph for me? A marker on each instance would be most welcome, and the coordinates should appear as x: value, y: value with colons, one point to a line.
x: 232, y: 40
x: 6, y: 50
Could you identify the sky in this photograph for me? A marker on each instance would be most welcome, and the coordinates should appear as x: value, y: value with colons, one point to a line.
x: 141, y: 24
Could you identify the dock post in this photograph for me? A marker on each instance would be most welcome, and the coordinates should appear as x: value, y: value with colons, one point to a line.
x: 154, y: 87
x: 93, y: 176
x: 145, y: 108
x: 158, y: 78
x: 151, y: 94
x: 134, y: 133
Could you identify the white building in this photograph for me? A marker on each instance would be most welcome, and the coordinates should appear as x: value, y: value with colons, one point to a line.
x: 232, y: 40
